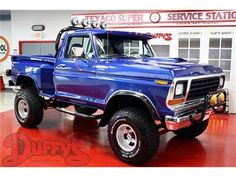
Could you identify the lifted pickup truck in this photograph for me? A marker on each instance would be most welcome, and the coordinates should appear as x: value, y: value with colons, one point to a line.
x: 141, y: 96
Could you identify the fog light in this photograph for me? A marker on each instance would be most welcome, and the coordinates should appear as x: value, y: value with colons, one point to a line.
x: 221, y: 97
x: 213, y: 100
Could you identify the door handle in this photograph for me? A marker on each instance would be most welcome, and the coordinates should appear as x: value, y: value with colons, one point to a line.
x: 61, y: 66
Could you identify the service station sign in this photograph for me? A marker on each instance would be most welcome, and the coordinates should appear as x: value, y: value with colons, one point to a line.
x: 4, y: 49
x: 174, y: 18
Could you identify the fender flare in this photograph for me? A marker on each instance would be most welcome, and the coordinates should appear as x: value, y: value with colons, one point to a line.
x: 155, y: 115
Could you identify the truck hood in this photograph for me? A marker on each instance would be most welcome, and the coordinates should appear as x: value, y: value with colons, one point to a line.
x: 162, y: 68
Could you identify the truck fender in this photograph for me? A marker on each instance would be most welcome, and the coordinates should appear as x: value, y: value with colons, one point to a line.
x: 140, y: 96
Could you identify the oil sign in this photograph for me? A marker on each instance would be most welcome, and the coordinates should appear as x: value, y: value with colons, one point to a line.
x: 4, y: 49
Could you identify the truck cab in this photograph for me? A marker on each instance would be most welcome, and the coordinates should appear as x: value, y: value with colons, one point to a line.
x: 140, y: 95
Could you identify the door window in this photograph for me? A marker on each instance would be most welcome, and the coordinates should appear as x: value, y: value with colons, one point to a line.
x: 79, y: 47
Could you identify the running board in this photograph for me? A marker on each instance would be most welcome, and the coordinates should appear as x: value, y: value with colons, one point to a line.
x: 79, y: 114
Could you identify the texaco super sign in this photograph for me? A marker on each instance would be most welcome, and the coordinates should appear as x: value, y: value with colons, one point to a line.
x: 4, y: 49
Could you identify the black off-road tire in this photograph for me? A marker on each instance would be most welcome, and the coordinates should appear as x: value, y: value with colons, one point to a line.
x: 192, y: 131
x: 85, y: 110
x: 35, y: 107
x: 146, y: 132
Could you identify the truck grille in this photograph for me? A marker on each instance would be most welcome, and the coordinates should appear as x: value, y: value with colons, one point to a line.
x: 201, y: 87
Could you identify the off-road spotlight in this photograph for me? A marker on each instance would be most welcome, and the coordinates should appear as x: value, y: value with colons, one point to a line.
x: 103, y: 25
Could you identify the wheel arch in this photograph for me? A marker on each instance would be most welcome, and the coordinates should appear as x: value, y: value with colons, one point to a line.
x: 23, y: 80
x: 127, y: 97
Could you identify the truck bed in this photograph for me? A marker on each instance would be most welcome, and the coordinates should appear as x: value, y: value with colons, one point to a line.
x: 40, y: 68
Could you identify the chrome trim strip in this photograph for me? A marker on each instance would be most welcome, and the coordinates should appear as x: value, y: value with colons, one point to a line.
x: 170, y: 95
x: 187, y: 106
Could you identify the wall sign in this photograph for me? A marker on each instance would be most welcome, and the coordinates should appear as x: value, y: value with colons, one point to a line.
x: 164, y: 18
x: 4, y: 49
x: 165, y: 36
x: 38, y: 27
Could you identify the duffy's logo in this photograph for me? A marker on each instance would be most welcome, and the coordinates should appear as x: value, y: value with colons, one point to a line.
x: 4, y: 49
x: 23, y: 148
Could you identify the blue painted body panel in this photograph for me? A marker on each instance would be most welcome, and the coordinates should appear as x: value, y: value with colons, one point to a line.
x: 93, y: 82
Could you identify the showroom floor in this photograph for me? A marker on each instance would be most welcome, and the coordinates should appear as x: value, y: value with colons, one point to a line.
x: 64, y: 140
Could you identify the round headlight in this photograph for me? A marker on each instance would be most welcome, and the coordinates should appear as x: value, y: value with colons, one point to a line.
x: 179, y: 90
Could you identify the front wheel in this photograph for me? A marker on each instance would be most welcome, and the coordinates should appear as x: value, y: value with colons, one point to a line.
x: 193, y: 131
x: 28, y: 108
x: 133, y: 136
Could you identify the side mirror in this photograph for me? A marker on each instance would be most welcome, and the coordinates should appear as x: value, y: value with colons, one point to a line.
x: 76, y: 52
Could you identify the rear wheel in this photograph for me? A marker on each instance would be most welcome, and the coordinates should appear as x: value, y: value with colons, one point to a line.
x: 133, y: 136
x: 84, y: 110
x: 192, y: 131
x: 28, y: 108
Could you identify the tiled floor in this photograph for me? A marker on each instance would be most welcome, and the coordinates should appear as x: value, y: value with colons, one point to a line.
x: 64, y: 140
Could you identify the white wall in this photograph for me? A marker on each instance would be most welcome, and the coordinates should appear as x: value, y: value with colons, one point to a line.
x: 5, y: 30
x: 22, y: 22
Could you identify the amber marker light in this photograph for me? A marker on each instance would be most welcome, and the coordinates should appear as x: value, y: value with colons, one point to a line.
x: 161, y: 82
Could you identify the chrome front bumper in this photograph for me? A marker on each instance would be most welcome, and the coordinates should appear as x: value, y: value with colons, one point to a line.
x: 175, y: 122
x: 189, y: 112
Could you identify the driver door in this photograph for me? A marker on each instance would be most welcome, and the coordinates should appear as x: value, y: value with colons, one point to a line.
x: 74, y: 73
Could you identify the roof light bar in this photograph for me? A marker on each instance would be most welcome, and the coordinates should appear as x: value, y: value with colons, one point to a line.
x: 85, y: 23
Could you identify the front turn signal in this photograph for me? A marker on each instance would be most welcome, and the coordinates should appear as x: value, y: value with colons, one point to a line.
x: 176, y: 101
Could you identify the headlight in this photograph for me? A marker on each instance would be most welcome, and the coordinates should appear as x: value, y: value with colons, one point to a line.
x: 222, y: 81
x: 180, y: 89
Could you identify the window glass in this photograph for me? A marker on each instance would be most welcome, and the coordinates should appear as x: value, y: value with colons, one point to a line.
x: 79, y: 47
x: 221, y: 55
x: 183, y: 53
x: 226, y: 43
x: 162, y: 50
x: 189, y: 48
x: 113, y: 46
x: 214, y: 43
x: 194, y: 43
x: 183, y: 42
x: 214, y: 63
x: 225, y: 65
x: 194, y: 53
x: 225, y: 54
x: 214, y: 54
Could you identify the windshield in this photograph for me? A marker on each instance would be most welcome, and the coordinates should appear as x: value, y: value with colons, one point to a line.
x: 114, y: 46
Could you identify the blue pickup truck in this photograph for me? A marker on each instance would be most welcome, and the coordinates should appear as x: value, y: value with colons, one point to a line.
x: 141, y: 96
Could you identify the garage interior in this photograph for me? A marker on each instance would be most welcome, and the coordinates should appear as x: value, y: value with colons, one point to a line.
x: 82, y: 137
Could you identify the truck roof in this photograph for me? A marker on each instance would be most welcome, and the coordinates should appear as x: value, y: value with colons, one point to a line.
x: 113, y: 32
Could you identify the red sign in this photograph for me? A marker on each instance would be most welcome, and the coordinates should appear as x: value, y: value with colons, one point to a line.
x: 4, y: 49
x: 175, y: 18
x: 165, y: 36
